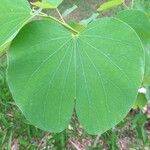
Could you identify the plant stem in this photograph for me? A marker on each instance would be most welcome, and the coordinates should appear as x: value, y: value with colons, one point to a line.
x: 124, y: 4
x: 61, y: 17
x: 132, y: 4
x: 75, y: 145
x: 60, y: 22
x: 96, y: 140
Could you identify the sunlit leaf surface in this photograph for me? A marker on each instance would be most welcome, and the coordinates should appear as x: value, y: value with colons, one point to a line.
x: 97, y: 72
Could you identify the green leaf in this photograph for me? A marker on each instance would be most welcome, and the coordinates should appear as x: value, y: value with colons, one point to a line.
x: 141, y: 24
x: 85, y: 22
x: 4, y: 47
x: 143, y: 5
x: 54, y: 3
x: 138, y: 123
x: 141, y: 101
x: 77, y: 26
x: 13, y: 16
x: 110, y: 4
x: 139, y: 120
x: 69, y: 10
x: 43, y: 5
x: 98, y: 72
x: 148, y: 93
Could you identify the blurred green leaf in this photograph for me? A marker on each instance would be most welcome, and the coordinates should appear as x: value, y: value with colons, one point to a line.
x: 139, y: 120
x: 140, y: 22
x: 143, y: 5
x: 10, y: 139
x: 141, y: 101
x: 4, y: 47
x: 43, y: 5
x: 54, y: 3
x: 114, y: 139
x: 148, y: 93
x: 141, y: 133
x: 85, y: 22
x: 69, y: 10
x: 77, y: 26
x: 13, y: 16
x: 110, y: 4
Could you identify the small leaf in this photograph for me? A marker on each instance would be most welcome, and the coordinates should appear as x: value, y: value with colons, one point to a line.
x: 54, y: 3
x: 138, y: 123
x: 43, y: 5
x: 110, y: 4
x: 142, y: 5
x: 13, y: 16
x: 139, y: 119
x: 85, y: 22
x: 4, y: 48
x: 98, y: 72
x: 141, y: 101
x: 141, y: 24
x: 77, y: 26
x: 69, y: 10
x: 148, y: 93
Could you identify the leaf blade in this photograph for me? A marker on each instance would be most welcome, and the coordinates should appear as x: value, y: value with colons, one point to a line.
x: 58, y: 75
x: 105, y: 93
x: 43, y: 94
x: 110, y: 4
x: 141, y: 25
x: 17, y: 14
x: 54, y: 3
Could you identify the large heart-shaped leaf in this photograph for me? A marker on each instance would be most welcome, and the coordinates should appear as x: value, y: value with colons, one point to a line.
x: 13, y: 15
x: 140, y: 22
x: 98, y: 72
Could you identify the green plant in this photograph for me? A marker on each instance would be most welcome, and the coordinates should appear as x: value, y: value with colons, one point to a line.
x: 54, y: 68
